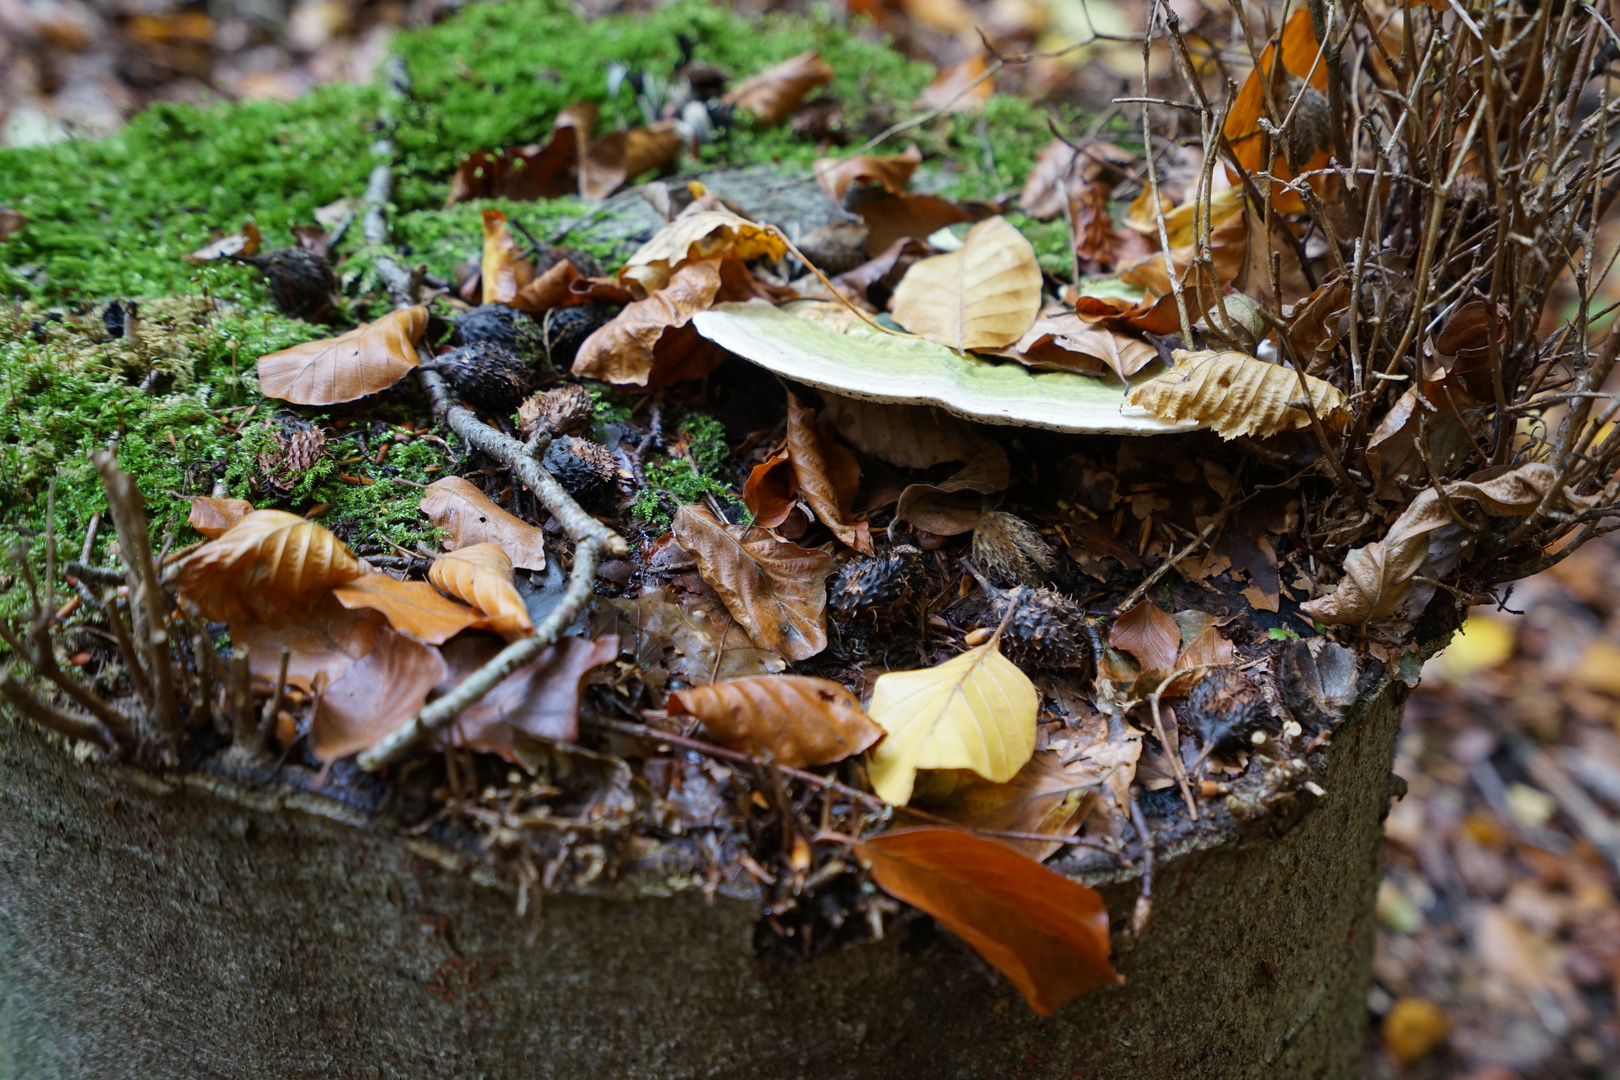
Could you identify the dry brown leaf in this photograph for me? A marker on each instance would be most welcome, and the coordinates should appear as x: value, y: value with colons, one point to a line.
x: 703, y: 235
x: 1067, y: 342
x: 527, y: 173
x: 1062, y: 171
x: 873, y: 281
x: 695, y: 641
x: 910, y: 436
x: 771, y: 491
x: 374, y: 696
x: 363, y: 361
x: 1315, y: 324
x: 1426, y: 541
x: 456, y: 505
x: 414, y: 608
x: 956, y: 505
x: 1148, y: 634
x: 960, y: 87
x: 892, y: 171
x: 796, y: 719
x: 540, y: 699
x: 652, y: 342
x: 827, y: 474
x: 1047, y: 934
x: 214, y: 517
x: 1236, y: 395
x: 1045, y: 797
x: 504, y: 271
x: 552, y: 289
x: 906, y: 216
x: 482, y: 575
x: 984, y: 296
x: 267, y: 564
x: 776, y: 589
x: 322, y: 639
x: 1210, y: 647
x: 621, y: 156
x: 238, y: 245
x: 772, y: 95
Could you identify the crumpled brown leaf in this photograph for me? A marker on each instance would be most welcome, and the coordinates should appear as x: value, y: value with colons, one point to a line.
x: 1148, y: 634
x: 1066, y: 342
x: 363, y: 361
x: 526, y: 173
x: 237, y: 245
x: 892, y: 171
x: 697, y: 235
x: 956, y: 505
x: 620, y: 156
x: 540, y: 699
x: 455, y: 505
x: 1236, y: 395
x: 776, y: 589
x: 796, y: 719
x: 652, y: 342
x: 481, y: 574
x: 414, y: 608
x: 214, y: 517
x: 1426, y: 541
x: 827, y: 474
x: 695, y: 641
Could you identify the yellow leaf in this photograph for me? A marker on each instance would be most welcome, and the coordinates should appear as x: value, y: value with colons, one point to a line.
x: 482, y: 576
x: 363, y: 361
x: 984, y: 296
x: 705, y: 234
x: 975, y: 711
x: 1483, y: 642
x: 1234, y: 395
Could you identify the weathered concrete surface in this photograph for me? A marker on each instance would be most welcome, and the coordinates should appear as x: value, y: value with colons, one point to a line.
x: 149, y: 934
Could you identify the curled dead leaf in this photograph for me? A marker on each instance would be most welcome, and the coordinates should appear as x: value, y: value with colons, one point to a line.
x: 904, y: 216
x: 772, y: 95
x: 482, y: 576
x: 957, y: 504
x: 526, y: 173
x: 237, y: 245
x: 1047, y: 934
x: 1148, y: 634
x: 892, y: 171
x: 651, y: 342
x: 1067, y: 342
x: 504, y: 271
x: 541, y: 699
x: 467, y: 514
x: 703, y: 235
x: 214, y: 517
x: 776, y: 589
x: 984, y: 296
x: 367, y: 359
x: 796, y: 719
x: 268, y: 564
x: 414, y: 608
x: 827, y: 474
x: 1236, y: 395
x: 771, y: 491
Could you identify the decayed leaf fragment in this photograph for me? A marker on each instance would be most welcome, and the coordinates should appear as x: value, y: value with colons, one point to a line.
x: 1047, y: 934
x: 776, y: 589
x: 984, y: 296
x: 457, y: 506
x: 975, y: 711
x: 268, y: 563
x: 797, y: 719
x: 827, y: 474
x: 414, y: 608
x: 1379, y: 578
x: 482, y: 576
x: 774, y: 93
x: 1236, y: 395
x: 704, y: 234
x: 363, y: 361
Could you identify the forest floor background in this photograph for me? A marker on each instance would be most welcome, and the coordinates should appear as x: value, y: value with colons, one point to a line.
x: 1499, y: 942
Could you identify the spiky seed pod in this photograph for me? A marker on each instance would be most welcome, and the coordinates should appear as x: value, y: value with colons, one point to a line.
x: 585, y: 469
x: 1045, y: 629
x: 301, y: 282
x: 877, y: 586
x: 1224, y: 709
x: 565, y: 410
x: 298, y: 445
x: 491, y: 379
x: 563, y: 330
x: 503, y: 327
x: 1008, y: 546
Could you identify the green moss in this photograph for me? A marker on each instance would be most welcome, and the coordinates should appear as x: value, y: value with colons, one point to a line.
x: 697, y: 471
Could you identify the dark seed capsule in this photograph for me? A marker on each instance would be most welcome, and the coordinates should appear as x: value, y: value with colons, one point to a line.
x: 585, y: 469
x: 1044, y: 630
x: 564, y: 330
x: 878, y: 586
x: 1225, y: 708
x: 112, y: 317
x: 301, y: 282
x: 504, y: 327
x: 491, y: 379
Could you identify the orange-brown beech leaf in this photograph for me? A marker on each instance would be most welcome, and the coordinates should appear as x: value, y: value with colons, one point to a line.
x: 539, y: 699
x: 984, y: 296
x: 1457, y: 363
x: 827, y: 475
x: 268, y: 564
x: 771, y: 491
x: 776, y: 589
x: 455, y: 505
x: 700, y: 235
x: 910, y: 436
x: 1047, y: 934
x: 363, y: 361
x: 1316, y: 324
x: 892, y: 171
x: 652, y: 342
x: 960, y: 87
x: 1209, y: 647
x: 957, y: 504
x: 214, y: 517
x: 772, y: 95
x: 1045, y: 797
x: 1148, y: 634
x: 482, y: 576
x: 552, y: 289
x: 414, y: 608
x: 1066, y: 342
x: 322, y: 640
x: 695, y: 641
x: 905, y: 215
x: 375, y: 695
x: 621, y: 156
x: 238, y: 245
x: 796, y: 719
x: 1306, y: 138
x: 504, y: 272
x: 527, y: 173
